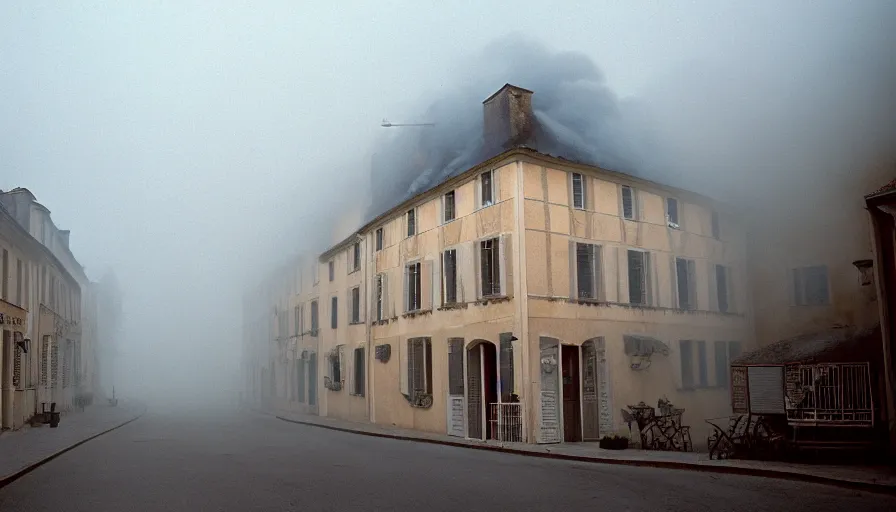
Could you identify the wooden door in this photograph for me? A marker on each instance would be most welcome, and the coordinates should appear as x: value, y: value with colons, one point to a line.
x: 572, y: 424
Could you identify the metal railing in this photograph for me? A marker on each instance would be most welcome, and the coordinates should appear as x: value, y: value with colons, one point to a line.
x: 506, y: 422
x: 829, y: 394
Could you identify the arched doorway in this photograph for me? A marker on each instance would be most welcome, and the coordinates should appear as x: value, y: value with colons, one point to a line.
x: 482, y: 387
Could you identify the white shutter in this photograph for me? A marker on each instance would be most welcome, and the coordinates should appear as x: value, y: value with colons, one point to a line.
x: 466, y: 272
x: 403, y: 366
x: 387, y: 297
x: 362, y: 303
x: 506, y: 259
x: 426, y: 287
x: 342, y: 363
x: 404, y: 288
x: 477, y: 269
x: 692, y: 284
x: 573, y: 271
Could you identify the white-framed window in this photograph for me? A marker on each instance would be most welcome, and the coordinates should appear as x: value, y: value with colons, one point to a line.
x: 672, y: 213
x: 694, y: 364
x: 331, y: 266
x: 686, y: 283
x: 414, y: 282
x: 725, y: 352
x: 355, y: 257
x: 810, y: 286
x: 379, y: 236
x: 315, y: 326
x: 380, y: 290
x: 486, y: 189
x: 336, y: 368
x: 716, y: 229
x: 358, y: 374
x: 334, y: 312
x: 629, y: 203
x: 448, y: 207
x: 419, y: 367
x: 639, y: 277
x: 588, y: 271
x: 355, y: 295
x: 411, y: 221
x: 449, y: 276
x: 578, y: 191
x: 723, y: 288
x: 490, y: 267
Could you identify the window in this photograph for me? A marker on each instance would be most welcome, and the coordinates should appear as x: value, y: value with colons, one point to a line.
x: 356, y: 257
x: 297, y: 328
x: 715, y: 225
x: 412, y: 222
x: 448, y: 207
x: 413, y: 281
x: 333, y: 312
x: 380, y: 290
x: 810, y: 286
x: 314, y: 324
x: 358, y: 381
x: 449, y: 276
x: 588, y: 271
x: 690, y: 378
x: 379, y: 239
x: 725, y: 352
x: 685, y: 271
x: 638, y: 277
x: 356, y: 305
x: 578, y: 191
x: 722, y: 277
x: 490, y: 267
x: 332, y: 268
x: 628, y: 203
x: 672, y: 212
x: 334, y: 368
x: 486, y: 189
x: 419, y: 368
x: 300, y: 380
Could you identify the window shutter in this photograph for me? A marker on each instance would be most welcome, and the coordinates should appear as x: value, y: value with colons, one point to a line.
x: 507, y: 265
x: 588, y: 187
x: 648, y: 280
x: 467, y: 272
x: 362, y: 306
x: 346, y: 369
x: 403, y: 370
x: 426, y: 285
x: 478, y: 192
x: 342, y: 363
x: 692, y: 284
x: 404, y: 289
x: 477, y: 265
x: 506, y: 366
x: 573, y: 271
x: 713, y: 287
x: 731, y: 288
x: 598, y: 272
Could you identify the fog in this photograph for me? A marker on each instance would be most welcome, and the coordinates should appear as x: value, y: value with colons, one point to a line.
x: 191, y: 148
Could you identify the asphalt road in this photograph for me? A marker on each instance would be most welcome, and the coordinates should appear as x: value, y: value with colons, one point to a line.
x: 174, y: 461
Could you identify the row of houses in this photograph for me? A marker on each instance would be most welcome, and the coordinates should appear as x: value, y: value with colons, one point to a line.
x: 532, y: 299
x: 48, y: 316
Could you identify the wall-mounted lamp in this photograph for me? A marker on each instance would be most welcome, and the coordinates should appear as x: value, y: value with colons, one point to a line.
x: 24, y: 344
x: 866, y: 271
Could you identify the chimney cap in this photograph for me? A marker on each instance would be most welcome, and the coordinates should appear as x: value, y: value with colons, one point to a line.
x: 508, y: 86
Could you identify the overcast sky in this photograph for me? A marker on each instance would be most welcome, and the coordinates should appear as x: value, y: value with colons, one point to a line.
x: 171, y: 136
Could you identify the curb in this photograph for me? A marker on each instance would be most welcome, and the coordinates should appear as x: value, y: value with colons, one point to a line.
x: 8, y: 479
x: 684, y: 466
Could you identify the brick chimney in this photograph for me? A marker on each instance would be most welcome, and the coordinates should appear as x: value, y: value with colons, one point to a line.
x: 508, y: 120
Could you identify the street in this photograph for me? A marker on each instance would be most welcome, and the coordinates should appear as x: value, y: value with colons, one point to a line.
x: 171, y: 460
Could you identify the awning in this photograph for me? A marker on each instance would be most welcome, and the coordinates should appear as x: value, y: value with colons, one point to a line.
x: 841, y: 345
x: 13, y: 318
x: 642, y: 345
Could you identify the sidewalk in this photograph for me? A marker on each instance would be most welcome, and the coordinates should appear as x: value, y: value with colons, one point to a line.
x: 23, y: 450
x: 869, y: 478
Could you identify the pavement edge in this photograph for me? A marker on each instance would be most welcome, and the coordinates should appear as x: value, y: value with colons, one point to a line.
x: 685, y: 466
x: 12, y: 477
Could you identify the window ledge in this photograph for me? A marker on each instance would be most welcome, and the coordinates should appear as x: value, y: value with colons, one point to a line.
x: 384, y: 321
x: 454, y: 305
x: 331, y: 385
x: 492, y: 299
x: 359, y: 395
x: 418, y: 312
x: 420, y: 400
x: 597, y: 302
x: 701, y: 388
x: 359, y: 322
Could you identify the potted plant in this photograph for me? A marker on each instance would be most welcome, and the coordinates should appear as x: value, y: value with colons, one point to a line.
x: 616, y: 442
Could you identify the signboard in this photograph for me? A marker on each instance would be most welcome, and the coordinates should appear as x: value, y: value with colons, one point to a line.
x: 740, y: 398
x: 456, y: 416
x: 12, y: 318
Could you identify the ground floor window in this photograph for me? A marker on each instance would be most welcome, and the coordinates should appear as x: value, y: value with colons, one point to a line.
x: 358, y: 384
x: 420, y: 372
